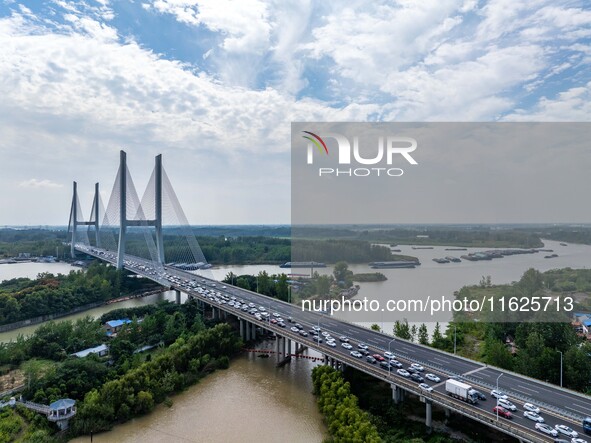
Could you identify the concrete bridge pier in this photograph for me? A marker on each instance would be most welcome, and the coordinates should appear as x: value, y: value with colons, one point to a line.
x: 289, y: 346
x: 254, y: 331
x: 178, y: 296
x: 284, y: 341
x: 429, y: 415
x: 241, y: 328
x: 397, y: 394
x: 247, y: 327
x: 326, y: 359
x: 277, y: 347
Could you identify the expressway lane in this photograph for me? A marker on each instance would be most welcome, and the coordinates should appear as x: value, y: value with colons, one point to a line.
x: 558, y: 406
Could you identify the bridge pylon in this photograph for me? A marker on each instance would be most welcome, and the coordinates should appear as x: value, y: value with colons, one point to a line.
x: 74, y: 222
x: 125, y: 222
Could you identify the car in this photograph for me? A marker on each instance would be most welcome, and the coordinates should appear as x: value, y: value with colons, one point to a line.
x: 432, y: 377
x: 332, y: 344
x: 289, y: 319
x: 546, y: 429
x: 565, y: 430
x: 365, y: 351
x: 479, y: 395
x: 411, y: 370
x: 273, y: 321
x: 416, y: 377
x: 578, y: 440
x: 294, y: 329
x: 533, y: 416
x: 388, y: 354
x: 395, y: 363
x: 297, y: 325
x: 506, y: 404
x: 498, y: 394
x: 281, y: 324
x: 501, y: 412
x: 425, y: 387
x: 384, y: 364
x: 370, y: 359
x: 276, y: 314
x: 303, y: 333
x: 317, y: 339
x: 326, y: 334
x: 312, y: 332
x: 403, y: 373
x: 418, y: 367
x: 344, y: 339
x: 531, y: 408
x: 356, y: 354
x: 346, y: 346
x: 362, y: 346
x: 316, y: 328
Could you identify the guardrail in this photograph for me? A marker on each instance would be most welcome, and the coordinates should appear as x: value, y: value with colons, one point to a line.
x: 444, y: 400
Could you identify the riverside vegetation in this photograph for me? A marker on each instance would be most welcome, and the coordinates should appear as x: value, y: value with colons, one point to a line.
x: 127, y: 383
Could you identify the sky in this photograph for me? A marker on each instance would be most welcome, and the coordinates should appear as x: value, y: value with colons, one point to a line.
x: 214, y: 86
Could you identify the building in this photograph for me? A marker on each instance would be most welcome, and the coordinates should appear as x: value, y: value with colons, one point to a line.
x: 582, y: 323
x: 101, y: 351
x: 61, y: 412
x: 112, y: 327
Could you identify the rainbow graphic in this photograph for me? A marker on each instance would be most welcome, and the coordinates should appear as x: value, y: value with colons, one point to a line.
x: 315, y: 140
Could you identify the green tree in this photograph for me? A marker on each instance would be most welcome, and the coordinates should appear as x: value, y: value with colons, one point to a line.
x: 402, y: 330
x: 376, y: 327
x: 423, y: 334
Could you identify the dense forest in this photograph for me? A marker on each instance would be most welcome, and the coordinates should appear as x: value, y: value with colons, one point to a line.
x: 127, y: 383
x: 23, y: 298
x: 346, y: 422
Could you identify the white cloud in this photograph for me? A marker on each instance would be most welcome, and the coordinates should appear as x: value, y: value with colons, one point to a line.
x: 574, y: 104
x: 34, y: 183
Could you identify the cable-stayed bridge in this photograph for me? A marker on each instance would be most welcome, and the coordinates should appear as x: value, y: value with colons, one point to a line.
x: 129, y: 234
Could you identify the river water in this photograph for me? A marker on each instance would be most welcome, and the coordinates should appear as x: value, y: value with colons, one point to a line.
x: 252, y: 400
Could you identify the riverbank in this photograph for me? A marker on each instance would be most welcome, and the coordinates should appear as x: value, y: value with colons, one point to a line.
x: 248, y: 402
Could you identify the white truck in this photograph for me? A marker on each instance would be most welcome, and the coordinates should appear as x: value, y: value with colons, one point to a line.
x: 460, y: 390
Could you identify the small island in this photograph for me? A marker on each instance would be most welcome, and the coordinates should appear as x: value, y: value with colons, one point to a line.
x: 368, y: 277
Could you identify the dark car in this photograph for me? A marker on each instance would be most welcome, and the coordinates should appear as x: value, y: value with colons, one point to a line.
x: 297, y: 325
x: 480, y: 396
x: 370, y: 359
x: 416, y: 377
x: 384, y: 364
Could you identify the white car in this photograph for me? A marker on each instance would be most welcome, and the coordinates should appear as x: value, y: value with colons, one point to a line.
x: 326, y: 334
x: 563, y: 429
x: 346, y: 346
x: 531, y: 408
x: 356, y: 354
x: 362, y: 346
x: 506, y: 404
x: 432, y: 377
x: 498, y: 394
x: 388, y: 355
x: 403, y: 372
x: 418, y: 367
x: 546, y: 429
x: 533, y: 416
x: 332, y: 344
x: 425, y: 387
x: 578, y: 440
x: 294, y: 329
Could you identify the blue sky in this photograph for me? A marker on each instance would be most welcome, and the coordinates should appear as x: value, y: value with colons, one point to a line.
x: 214, y: 85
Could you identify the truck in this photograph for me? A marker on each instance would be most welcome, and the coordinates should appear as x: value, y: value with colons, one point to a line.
x: 461, y: 391
x: 587, y: 425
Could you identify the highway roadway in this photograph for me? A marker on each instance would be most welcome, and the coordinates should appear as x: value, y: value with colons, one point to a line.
x: 558, y: 406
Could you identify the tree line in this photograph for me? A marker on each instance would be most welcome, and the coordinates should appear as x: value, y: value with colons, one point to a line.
x: 23, y: 298
x: 345, y: 420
